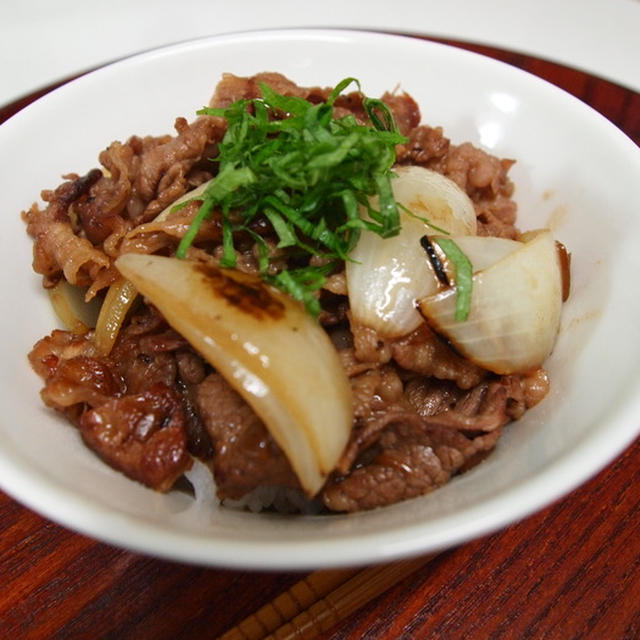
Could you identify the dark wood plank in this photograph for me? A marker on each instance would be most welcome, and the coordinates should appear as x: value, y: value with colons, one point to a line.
x: 570, y: 571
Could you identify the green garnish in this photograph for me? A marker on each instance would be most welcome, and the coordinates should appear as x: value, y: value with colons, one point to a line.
x: 463, y: 275
x: 309, y: 174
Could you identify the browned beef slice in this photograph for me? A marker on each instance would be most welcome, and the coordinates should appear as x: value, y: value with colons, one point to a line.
x: 425, y: 146
x: 430, y: 396
x: 231, y: 88
x: 142, y: 435
x: 425, y: 353
x: 406, y: 112
x: 101, y: 212
x: 141, y: 369
x: 245, y: 454
x: 80, y: 380
x: 482, y: 408
x: 368, y: 345
x: 60, y: 345
x: 161, y: 176
x: 417, y: 443
x: 59, y: 200
x: 486, y: 407
x: 191, y: 367
x: 57, y: 250
x: 144, y: 352
x: 525, y: 391
x: 405, y: 463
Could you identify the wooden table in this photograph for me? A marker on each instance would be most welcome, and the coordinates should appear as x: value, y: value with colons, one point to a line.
x: 570, y: 571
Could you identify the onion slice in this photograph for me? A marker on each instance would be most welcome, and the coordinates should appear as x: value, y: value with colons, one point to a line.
x: 266, y: 346
x: 515, y: 308
x: 387, y: 275
x: 122, y: 294
x: 119, y: 299
x: 484, y: 251
x: 69, y: 305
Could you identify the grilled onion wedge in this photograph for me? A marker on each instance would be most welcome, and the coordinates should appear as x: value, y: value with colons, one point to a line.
x: 385, y: 276
x: 268, y: 348
x: 516, y: 301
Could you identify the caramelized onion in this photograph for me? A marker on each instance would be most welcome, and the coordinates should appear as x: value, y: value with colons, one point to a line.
x: 387, y: 275
x: 120, y: 297
x: 266, y: 346
x: 122, y: 294
x: 69, y: 305
x: 515, y: 306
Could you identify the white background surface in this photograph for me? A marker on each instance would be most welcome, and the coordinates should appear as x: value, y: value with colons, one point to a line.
x: 43, y: 41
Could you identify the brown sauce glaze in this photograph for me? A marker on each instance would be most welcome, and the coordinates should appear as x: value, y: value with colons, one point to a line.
x: 564, y: 258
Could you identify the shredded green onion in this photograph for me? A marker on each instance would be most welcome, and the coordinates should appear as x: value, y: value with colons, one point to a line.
x: 463, y: 276
x: 309, y: 174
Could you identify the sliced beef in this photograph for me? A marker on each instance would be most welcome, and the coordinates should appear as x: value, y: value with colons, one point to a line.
x: 421, y: 351
x: 101, y: 213
x: 483, y: 408
x: 427, y: 354
x: 142, y: 177
x: 191, y: 367
x: 81, y: 381
x: 524, y: 391
x: 49, y: 351
x: 59, y: 200
x: 140, y: 369
x: 368, y: 345
x: 73, y: 372
x: 144, y: 353
x: 152, y: 369
x: 496, y: 217
x: 430, y: 396
x: 162, y: 172
x: 231, y: 88
x: 406, y: 112
x: 367, y: 431
x: 198, y: 440
x: 475, y: 171
x: 416, y: 443
x: 57, y: 249
x: 405, y: 463
x: 245, y: 455
x: 375, y: 390
x: 426, y: 146
x: 142, y: 435
x: 148, y: 332
x: 148, y: 353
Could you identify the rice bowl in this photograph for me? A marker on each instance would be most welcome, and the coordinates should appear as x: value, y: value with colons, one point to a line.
x: 567, y: 438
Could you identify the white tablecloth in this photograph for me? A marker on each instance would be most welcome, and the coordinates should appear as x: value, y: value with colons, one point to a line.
x: 47, y: 40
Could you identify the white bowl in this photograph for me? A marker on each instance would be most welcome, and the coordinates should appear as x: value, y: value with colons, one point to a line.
x: 576, y: 173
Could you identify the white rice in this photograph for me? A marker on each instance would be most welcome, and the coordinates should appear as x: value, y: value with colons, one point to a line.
x: 279, y: 499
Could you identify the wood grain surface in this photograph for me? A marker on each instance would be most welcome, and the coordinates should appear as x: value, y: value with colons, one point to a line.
x: 571, y: 571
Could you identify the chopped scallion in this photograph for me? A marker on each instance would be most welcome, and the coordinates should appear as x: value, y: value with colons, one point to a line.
x: 309, y: 174
x: 463, y: 276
